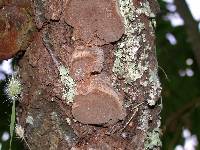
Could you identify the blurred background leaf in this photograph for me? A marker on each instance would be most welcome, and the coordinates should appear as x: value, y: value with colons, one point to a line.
x: 181, y: 93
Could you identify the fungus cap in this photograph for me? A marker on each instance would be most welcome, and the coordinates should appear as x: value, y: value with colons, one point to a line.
x: 97, y: 103
x: 95, y: 21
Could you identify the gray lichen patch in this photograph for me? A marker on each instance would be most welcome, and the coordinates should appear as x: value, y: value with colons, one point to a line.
x: 153, y: 139
x: 155, y: 87
x: 69, y: 84
x: 40, y: 13
x: 29, y: 120
x: 127, y: 64
x: 144, y: 120
x: 65, y: 131
x: 134, y: 49
x: 19, y: 130
x: 145, y: 9
x: 136, y: 67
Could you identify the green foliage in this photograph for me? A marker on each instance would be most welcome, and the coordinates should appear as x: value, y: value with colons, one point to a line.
x: 5, y: 116
x: 180, y: 94
x: 14, y: 88
x: 13, y: 91
x: 12, y: 123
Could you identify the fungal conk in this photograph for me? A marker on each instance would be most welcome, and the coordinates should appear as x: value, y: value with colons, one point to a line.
x: 97, y: 102
x: 95, y: 23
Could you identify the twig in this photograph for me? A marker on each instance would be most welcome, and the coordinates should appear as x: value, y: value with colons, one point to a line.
x: 180, y: 112
x: 164, y: 73
x: 129, y: 120
x: 112, y: 131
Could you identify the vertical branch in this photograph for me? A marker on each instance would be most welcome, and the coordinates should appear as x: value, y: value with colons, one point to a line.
x: 191, y: 27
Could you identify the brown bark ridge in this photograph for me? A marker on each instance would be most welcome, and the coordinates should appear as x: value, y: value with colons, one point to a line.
x: 90, y: 76
x: 16, y: 27
x: 191, y: 26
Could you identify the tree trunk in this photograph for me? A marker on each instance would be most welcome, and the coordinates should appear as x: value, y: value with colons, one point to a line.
x: 89, y: 76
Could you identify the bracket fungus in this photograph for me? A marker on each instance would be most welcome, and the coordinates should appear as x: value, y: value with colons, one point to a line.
x: 86, y: 60
x: 95, y: 21
x: 16, y: 28
x: 97, y: 103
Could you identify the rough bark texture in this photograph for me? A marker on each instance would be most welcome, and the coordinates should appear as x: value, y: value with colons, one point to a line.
x: 16, y: 27
x: 90, y: 76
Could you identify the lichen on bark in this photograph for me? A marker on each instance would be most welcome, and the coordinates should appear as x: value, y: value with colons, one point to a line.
x: 104, y: 63
x: 127, y: 65
x: 132, y: 52
x: 135, y: 63
x: 69, y: 84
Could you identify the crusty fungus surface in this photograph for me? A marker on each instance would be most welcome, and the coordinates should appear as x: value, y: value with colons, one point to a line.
x: 95, y: 21
x: 97, y: 107
x: 84, y: 61
x: 97, y: 103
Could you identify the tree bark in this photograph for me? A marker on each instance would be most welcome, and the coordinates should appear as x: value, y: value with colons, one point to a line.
x: 89, y: 76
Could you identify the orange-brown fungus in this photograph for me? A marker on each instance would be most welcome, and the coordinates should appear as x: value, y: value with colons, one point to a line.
x: 97, y: 107
x: 95, y: 21
x: 97, y: 103
x: 85, y: 61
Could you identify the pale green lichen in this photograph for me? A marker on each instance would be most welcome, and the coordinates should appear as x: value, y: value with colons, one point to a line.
x: 155, y: 87
x: 145, y: 9
x: 69, y: 84
x: 29, y: 120
x: 153, y: 140
x: 131, y: 55
x: 144, y: 120
x: 126, y: 63
x: 14, y: 87
x: 131, y: 63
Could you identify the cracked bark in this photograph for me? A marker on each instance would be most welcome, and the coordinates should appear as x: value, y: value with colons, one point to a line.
x: 76, y: 51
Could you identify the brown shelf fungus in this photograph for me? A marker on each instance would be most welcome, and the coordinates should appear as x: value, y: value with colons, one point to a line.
x: 95, y: 21
x: 97, y: 103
